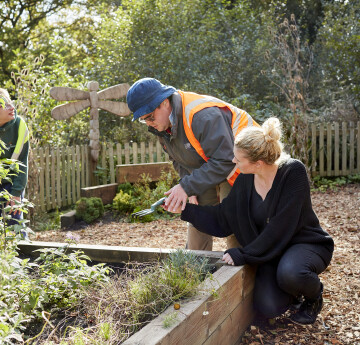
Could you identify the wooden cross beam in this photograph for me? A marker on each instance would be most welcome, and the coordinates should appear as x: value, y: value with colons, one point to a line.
x: 94, y: 100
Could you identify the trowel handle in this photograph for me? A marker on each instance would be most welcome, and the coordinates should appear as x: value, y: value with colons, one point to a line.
x: 159, y: 202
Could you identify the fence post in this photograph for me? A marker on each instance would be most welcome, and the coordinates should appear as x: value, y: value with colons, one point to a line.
x: 47, y: 177
x: 111, y: 163
x: 52, y: 180
x: 358, y: 148
x: 344, y: 149
x: 328, y: 149
x: 352, y: 148
x: 41, y: 179
x: 336, y: 149
x: 321, y: 149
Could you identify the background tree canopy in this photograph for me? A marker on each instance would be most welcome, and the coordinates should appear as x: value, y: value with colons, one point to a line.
x: 223, y: 48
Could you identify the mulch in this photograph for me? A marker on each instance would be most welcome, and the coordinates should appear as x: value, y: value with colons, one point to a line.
x: 339, y: 214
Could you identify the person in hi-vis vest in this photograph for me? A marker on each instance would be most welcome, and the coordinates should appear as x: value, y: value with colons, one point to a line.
x: 197, y: 132
x: 15, y: 135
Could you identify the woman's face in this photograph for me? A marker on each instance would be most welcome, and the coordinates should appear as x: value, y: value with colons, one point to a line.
x: 242, y: 162
x: 7, y: 110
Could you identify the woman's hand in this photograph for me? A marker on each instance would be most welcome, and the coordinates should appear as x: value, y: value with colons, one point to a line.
x: 193, y: 200
x: 166, y: 208
x: 228, y: 259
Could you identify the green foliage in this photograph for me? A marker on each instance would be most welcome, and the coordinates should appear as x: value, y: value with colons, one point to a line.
x: 62, y: 273
x: 48, y: 221
x: 123, y: 202
x: 170, y: 319
x: 338, y: 72
x: 55, y: 280
x: 19, y: 22
x: 89, y: 209
x: 183, y: 271
x: 211, y: 47
x: 141, y: 195
x: 325, y: 183
x: 124, y: 304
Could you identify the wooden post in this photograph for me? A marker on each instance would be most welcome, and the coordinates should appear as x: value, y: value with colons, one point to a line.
x: 344, y: 149
x: 358, y: 148
x: 41, y: 179
x: 313, y: 149
x: 111, y: 163
x: 328, y: 150
x: 47, y: 178
x: 352, y: 148
x: 321, y: 149
x: 336, y: 150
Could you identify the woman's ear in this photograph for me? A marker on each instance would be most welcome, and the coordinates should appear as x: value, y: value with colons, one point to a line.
x: 259, y: 164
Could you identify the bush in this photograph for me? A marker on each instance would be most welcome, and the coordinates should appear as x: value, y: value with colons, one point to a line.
x: 89, y: 209
x: 142, y: 194
x: 124, y: 202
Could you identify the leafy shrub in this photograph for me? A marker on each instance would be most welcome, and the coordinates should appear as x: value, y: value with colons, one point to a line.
x: 89, y: 209
x: 333, y: 183
x: 142, y: 194
x: 125, y: 187
x: 123, y: 202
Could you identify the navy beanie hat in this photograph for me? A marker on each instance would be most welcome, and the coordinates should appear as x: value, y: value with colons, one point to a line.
x: 145, y: 95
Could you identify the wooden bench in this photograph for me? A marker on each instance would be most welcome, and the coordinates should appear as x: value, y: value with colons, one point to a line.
x: 132, y: 172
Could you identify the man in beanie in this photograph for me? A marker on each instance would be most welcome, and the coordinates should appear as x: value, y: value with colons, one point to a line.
x: 197, y: 132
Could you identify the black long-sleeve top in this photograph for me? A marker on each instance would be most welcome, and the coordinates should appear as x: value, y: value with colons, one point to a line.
x: 290, y: 220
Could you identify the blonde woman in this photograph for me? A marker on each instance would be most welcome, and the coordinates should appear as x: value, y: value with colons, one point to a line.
x: 269, y: 210
x: 15, y: 135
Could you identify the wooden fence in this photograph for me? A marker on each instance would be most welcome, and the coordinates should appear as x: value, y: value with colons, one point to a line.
x: 60, y: 173
x: 335, y: 149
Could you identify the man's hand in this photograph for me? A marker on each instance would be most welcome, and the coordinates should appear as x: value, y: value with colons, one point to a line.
x: 15, y: 200
x: 176, y: 199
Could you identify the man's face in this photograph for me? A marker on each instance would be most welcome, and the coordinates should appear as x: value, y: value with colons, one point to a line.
x: 160, y: 117
x: 7, y: 110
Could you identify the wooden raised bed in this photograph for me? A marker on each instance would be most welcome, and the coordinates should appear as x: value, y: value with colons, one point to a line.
x: 219, y: 314
x: 131, y: 172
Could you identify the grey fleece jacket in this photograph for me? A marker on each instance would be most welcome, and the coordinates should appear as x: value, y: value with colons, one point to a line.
x: 212, y: 128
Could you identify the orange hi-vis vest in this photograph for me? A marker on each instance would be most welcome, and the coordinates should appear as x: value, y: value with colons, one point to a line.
x: 192, y: 103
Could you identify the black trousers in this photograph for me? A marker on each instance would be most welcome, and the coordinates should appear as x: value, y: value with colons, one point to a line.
x: 292, y: 275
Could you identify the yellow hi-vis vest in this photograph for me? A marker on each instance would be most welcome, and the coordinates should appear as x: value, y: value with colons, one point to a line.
x: 192, y: 103
x: 23, y: 137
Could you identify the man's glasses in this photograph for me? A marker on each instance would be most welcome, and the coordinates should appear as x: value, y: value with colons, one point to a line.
x: 150, y: 118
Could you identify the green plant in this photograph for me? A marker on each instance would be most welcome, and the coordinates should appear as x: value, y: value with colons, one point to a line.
x: 124, y: 304
x: 333, y: 183
x: 139, y: 196
x: 89, y: 209
x: 124, y: 202
x: 47, y: 220
x: 170, y: 319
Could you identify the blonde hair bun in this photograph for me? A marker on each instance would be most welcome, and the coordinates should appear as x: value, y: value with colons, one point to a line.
x: 272, y: 129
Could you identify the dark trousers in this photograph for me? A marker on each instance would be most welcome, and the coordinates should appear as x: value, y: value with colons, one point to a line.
x: 292, y: 275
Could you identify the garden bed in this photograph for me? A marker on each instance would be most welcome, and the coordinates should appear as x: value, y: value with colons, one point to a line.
x: 220, y: 313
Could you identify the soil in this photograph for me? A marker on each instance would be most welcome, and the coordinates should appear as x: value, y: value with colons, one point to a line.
x: 339, y: 214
